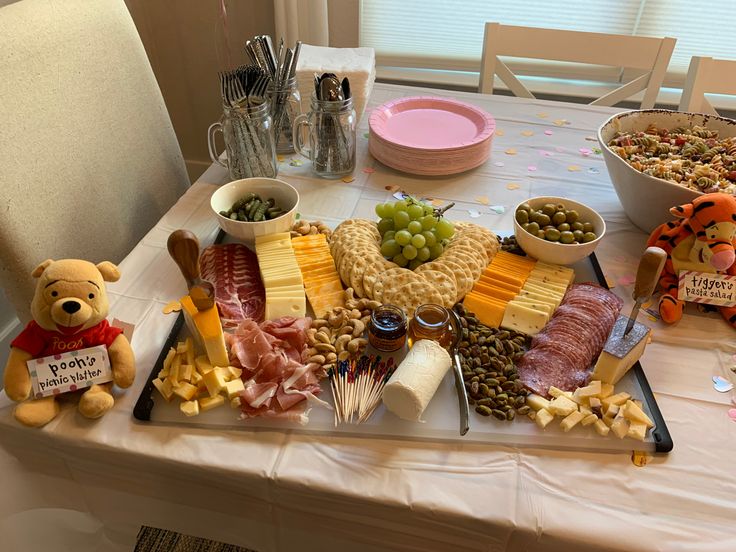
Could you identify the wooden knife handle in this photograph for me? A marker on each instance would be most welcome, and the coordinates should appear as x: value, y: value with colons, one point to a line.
x: 183, y: 247
x: 647, y: 276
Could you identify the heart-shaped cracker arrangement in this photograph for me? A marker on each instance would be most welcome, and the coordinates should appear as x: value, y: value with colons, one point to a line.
x: 356, y: 248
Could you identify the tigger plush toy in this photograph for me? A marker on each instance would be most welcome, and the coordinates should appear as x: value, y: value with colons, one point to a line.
x: 701, y: 239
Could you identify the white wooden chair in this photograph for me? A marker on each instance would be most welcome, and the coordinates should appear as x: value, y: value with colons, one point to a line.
x: 707, y: 76
x: 651, y: 55
x: 90, y: 161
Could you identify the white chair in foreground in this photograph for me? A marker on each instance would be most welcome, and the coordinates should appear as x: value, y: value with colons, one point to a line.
x: 651, y: 55
x: 90, y: 161
x: 707, y: 76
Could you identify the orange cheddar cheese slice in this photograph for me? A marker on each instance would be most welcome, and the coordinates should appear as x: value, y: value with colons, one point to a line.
x: 489, y: 313
x: 481, y: 288
x: 504, y: 277
x: 499, y: 283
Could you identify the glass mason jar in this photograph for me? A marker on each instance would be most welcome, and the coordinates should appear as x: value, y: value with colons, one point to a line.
x: 431, y: 322
x: 286, y: 106
x: 248, y: 134
x: 331, y: 127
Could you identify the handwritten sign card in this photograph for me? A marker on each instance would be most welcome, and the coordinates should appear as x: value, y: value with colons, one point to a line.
x: 70, y: 371
x: 708, y: 288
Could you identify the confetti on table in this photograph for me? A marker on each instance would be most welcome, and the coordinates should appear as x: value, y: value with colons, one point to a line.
x: 593, y: 170
x: 561, y: 122
x: 527, y: 133
x: 652, y: 318
x: 473, y: 213
x: 531, y: 168
x: 437, y: 202
x: 500, y: 132
x: 498, y: 209
x: 591, y: 138
x: 172, y: 306
x: 721, y: 384
x: 597, y: 151
x: 542, y: 115
x: 559, y: 149
x: 499, y: 163
x: 369, y: 170
x: 399, y: 195
x: 573, y: 168
x: 640, y: 458
x: 348, y: 179
x: 483, y: 200
x: 392, y: 188
x: 545, y: 153
x: 280, y: 158
x: 732, y: 414
x: 627, y: 279
x: 512, y: 186
x: 654, y: 313
x: 510, y: 151
x: 296, y: 162
x: 646, y: 304
x: 548, y: 132
x: 585, y: 152
x: 609, y: 282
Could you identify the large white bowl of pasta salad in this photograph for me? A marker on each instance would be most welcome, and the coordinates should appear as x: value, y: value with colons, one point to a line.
x: 658, y: 159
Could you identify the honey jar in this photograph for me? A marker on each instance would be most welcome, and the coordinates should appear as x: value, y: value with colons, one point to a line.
x: 431, y: 322
x: 387, y: 328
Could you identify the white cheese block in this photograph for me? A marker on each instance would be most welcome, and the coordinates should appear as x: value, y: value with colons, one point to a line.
x: 416, y: 380
x: 522, y: 319
x: 611, y: 368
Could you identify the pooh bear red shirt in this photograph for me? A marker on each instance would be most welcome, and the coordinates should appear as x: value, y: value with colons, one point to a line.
x: 41, y: 343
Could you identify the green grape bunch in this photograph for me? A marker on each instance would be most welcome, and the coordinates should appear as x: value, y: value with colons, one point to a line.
x: 413, y: 231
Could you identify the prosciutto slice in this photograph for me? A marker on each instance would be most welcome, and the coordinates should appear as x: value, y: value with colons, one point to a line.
x: 563, y: 352
x: 277, y: 382
x: 233, y: 270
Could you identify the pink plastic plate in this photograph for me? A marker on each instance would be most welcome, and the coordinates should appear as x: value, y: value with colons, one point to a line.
x: 430, y: 123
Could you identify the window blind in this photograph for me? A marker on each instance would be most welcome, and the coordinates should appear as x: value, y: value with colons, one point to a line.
x: 448, y: 34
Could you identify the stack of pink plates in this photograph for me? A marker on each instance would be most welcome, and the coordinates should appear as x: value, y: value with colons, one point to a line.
x: 430, y: 136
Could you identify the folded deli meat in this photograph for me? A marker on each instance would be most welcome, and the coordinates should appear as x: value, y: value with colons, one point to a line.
x: 276, y: 380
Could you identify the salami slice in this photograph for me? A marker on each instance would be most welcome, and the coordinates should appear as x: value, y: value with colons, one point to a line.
x: 563, y: 352
x: 239, y: 293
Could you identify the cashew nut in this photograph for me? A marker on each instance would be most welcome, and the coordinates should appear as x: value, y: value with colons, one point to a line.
x: 319, y: 322
x: 343, y: 356
x: 356, y: 344
x: 330, y: 357
x: 358, y: 328
x: 324, y: 347
x: 317, y: 359
x: 341, y: 342
x: 322, y: 336
x: 355, y: 314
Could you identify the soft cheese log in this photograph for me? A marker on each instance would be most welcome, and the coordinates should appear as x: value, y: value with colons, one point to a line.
x: 416, y: 380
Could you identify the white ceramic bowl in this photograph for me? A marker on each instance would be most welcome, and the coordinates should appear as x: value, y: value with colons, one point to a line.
x: 555, y: 252
x: 647, y: 199
x: 284, y: 194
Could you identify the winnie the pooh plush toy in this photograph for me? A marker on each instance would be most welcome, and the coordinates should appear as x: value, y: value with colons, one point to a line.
x: 69, y: 309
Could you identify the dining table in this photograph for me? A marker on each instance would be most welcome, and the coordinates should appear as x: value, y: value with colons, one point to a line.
x: 97, y: 481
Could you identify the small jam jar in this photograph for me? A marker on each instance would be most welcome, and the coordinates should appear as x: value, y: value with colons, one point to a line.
x: 431, y: 322
x: 387, y: 330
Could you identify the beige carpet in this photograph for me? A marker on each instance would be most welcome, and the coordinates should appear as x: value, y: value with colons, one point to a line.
x: 151, y: 539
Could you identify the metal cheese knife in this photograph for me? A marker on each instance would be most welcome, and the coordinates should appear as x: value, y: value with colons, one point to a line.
x: 462, y: 394
x: 183, y: 247
x: 647, y: 276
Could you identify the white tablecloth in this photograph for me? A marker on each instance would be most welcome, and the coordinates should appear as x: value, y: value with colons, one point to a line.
x: 96, y: 482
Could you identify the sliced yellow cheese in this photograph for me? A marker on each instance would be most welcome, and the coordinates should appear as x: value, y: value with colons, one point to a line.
x: 523, y: 319
x: 277, y: 307
x: 487, y: 312
x: 534, y: 304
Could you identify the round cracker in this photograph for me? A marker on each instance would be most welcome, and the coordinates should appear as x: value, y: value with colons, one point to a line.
x: 484, y: 235
x: 463, y: 278
x: 411, y: 295
x: 363, y: 245
x: 390, y: 279
x: 472, y: 243
x: 444, y: 284
x: 372, y: 271
x: 461, y: 257
x: 365, y: 224
x: 357, y: 271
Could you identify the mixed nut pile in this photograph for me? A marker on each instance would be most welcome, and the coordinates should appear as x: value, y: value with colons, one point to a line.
x: 488, y: 357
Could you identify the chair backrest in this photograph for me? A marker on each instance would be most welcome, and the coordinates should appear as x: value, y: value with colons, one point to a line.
x: 707, y: 76
x: 651, y: 55
x: 89, y: 161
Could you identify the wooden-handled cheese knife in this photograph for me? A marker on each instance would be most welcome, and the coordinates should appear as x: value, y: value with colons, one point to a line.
x: 183, y: 247
x: 647, y: 276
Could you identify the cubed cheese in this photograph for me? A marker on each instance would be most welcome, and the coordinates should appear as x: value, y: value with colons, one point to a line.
x: 214, y: 381
x: 235, y: 372
x: 591, y: 390
x: 234, y: 388
x: 543, y: 418
x: 637, y: 430
x: 185, y: 372
x: 165, y: 388
x: 185, y: 390
x: 562, y: 406
x: 601, y: 428
x: 189, y: 408
x: 537, y: 402
x: 617, y: 399
x: 589, y: 419
x: 571, y: 420
x: 620, y: 427
x: 203, y: 364
x: 636, y: 414
x: 606, y: 390
x: 208, y: 403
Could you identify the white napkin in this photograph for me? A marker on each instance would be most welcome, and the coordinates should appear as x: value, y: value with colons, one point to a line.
x: 357, y: 64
